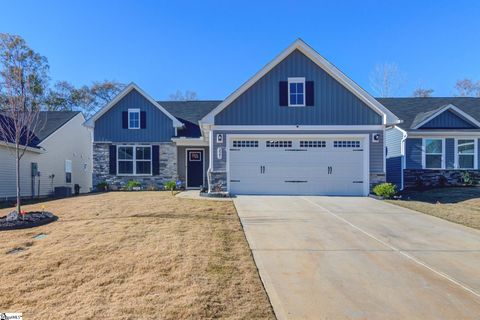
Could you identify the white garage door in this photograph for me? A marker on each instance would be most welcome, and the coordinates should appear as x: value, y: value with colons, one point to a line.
x: 309, y: 166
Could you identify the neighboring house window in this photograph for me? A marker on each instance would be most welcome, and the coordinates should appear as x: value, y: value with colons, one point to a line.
x: 133, y: 118
x: 433, y: 153
x: 296, y: 92
x: 466, y: 154
x: 134, y: 160
x: 68, y: 171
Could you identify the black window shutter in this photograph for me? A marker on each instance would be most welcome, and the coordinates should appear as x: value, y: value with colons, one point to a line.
x: 310, y: 94
x: 155, y: 160
x: 113, y: 159
x: 125, y: 119
x: 283, y: 93
x: 143, y: 119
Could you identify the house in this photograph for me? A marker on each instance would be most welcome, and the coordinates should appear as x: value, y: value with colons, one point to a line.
x: 437, y: 142
x: 60, y: 155
x: 298, y: 126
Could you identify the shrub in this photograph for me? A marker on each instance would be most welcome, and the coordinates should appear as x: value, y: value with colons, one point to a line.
x: 102, y: 186
x: 132, y: 185
x: 386, y: 190
x: 170, y: 185
x: 467, y: 178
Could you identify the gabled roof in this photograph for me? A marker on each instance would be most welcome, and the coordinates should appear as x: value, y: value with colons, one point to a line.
x: 51, y: 121
x: 416, y: 111
x: 299, y: 44
x: 130, y: 87
x: 189, y: 113
x: 48, y: 123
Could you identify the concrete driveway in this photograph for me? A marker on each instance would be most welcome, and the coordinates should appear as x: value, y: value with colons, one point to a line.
x: 359, y: 258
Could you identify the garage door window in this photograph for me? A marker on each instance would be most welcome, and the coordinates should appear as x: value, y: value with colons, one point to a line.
x: 313, y: 144
x: 245, y: 143
x: 279, y: 144
x: 346, y: 144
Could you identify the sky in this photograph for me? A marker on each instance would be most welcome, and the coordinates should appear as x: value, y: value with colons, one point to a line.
x: 212, y: 47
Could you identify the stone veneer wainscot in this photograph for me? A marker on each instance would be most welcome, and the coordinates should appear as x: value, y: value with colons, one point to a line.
x: 167, y: 163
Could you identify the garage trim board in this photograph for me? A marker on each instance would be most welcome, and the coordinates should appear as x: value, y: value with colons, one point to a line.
x: 296, y: 138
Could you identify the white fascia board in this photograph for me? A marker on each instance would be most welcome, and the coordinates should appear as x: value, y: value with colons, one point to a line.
x: 299, y: 128
x: 190, y: 142
x: 448, y: 134
x: 387, y: 116
x: 128, y: 89
x: 456, y: 110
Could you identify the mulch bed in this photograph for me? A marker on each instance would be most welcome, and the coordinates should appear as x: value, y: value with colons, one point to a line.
x: 28, y: 220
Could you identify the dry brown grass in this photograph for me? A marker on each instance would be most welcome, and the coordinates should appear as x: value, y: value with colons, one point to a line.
x: 459, y: 205
x: 132, y: 255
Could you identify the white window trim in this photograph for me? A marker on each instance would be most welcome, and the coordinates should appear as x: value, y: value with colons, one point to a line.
x: 424, y: 153
x: 297, y: 80
x: 139, y: 120
x: 134, y: 160
x: 475, y: 153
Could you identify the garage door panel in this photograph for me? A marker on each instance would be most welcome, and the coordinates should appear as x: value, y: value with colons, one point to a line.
x: 334, y: 166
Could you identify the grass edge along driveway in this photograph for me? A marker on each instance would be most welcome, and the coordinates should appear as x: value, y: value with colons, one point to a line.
x: 145, y: 255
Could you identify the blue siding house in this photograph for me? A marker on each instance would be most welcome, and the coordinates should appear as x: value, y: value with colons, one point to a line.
x: 298, y: 126
x: 436, y: 144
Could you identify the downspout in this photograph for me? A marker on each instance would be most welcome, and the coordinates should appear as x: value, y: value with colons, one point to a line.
x: 402, y: 153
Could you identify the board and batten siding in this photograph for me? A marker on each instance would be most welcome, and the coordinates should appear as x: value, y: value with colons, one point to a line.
x: 447, y: 120
x: 394, y: 156
x: 159, y: 127
x: 376, y: 148
x: 333, y: 103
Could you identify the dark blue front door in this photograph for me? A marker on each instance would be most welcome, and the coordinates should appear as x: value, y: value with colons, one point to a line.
x: 194, y: 168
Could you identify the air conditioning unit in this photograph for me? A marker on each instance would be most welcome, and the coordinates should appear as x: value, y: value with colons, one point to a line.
x: 376, y: 137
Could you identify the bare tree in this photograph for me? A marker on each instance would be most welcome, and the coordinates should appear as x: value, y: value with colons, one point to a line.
x: 422, y: 92
x: 23, y: 78
x: 386, y: 79
x: 89, y: 99
x: 187, y: 96
x: 467, y: 88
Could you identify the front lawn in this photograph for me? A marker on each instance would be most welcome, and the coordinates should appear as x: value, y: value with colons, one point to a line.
x: 132, y: 255
x: 459, y: 205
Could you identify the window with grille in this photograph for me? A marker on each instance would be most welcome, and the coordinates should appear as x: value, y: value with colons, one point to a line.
x: 245, y: 143
x: 313, y: 144
x: 279, y: 144
x: 346, y: 144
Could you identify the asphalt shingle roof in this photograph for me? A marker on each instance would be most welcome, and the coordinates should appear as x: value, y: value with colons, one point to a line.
x: 48, y: 123
x: 415, y: 110
x: 51, y: 121
x: 189, y: 113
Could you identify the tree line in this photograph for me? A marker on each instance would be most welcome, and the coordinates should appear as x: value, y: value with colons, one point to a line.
x: 386, y: 79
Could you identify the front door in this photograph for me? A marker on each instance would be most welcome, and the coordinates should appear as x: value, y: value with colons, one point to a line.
x: 194, y: 168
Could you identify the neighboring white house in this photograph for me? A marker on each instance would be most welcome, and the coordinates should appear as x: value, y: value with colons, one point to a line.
x: 62, y: 157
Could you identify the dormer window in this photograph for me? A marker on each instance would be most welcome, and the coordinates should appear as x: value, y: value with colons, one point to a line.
x: 133, y: 118
x: 296, y: 92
